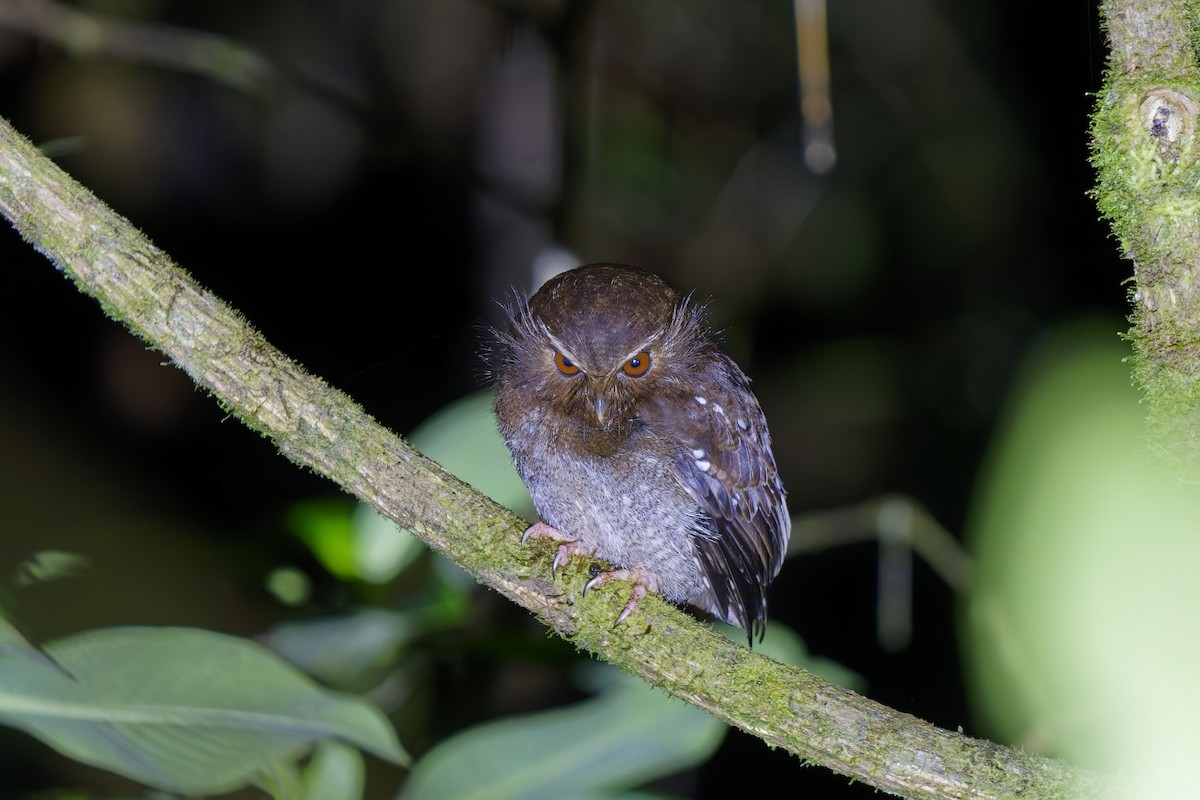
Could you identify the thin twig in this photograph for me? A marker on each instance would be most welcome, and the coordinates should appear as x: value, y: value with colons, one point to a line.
x: 86, y: 34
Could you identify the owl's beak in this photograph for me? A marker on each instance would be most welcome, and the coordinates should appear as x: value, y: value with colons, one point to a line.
x: 601, y: 406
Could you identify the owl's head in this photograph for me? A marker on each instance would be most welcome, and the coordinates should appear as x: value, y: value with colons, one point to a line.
x: 594, y: 341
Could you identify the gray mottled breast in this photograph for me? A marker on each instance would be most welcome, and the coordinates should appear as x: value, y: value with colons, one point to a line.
x: 629, y: 507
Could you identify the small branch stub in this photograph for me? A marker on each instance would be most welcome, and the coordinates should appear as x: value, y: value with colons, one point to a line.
x: 1169, y: 117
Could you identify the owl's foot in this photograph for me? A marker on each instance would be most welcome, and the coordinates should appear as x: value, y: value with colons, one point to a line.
x: 642, y: 582
x: 568, y: 547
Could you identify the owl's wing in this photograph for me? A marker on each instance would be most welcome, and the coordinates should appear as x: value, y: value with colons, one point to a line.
x: 725, y: 463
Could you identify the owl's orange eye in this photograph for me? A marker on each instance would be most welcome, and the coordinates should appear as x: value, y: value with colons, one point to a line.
x: 565, y: 365
x: 637, y: 366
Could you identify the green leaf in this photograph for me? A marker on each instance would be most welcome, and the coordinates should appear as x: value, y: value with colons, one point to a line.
x: 336, y: 773
x: 49, y: 565
x: 382, y: 549
x: 339, y: 650
x: 280, y: 779
x: 326, y: 527
x: 289, y: 585
x: 12, y: 643
x: 180, y: 709
x: 626, y: 736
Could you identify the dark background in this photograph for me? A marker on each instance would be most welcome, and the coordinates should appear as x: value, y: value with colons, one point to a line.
x: 400, y: 164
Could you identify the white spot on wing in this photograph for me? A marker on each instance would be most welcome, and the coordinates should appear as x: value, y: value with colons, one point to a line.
x: 742, y: 423
x: 703, y: 466
x: 698, y: 453
x: 701, y: 400
x: 717, y: 408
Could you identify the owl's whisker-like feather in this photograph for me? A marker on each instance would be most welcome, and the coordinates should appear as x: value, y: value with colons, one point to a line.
x: 561, y: 347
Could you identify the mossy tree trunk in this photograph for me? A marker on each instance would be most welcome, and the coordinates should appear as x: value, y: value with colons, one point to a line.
x: 1146, y: 149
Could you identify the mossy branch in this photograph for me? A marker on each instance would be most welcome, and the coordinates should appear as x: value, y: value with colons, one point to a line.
x: 1146, y: 149
x: 319, y: 427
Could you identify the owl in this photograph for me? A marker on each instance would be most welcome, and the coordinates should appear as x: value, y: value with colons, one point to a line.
x: 641, y: 443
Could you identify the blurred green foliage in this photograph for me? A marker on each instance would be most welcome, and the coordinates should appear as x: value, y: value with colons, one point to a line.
x: 625, y: 736
x: 1081, y: 631
x: 179, y: 709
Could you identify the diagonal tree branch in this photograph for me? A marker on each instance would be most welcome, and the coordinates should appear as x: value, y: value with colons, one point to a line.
x: 319, y: 427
